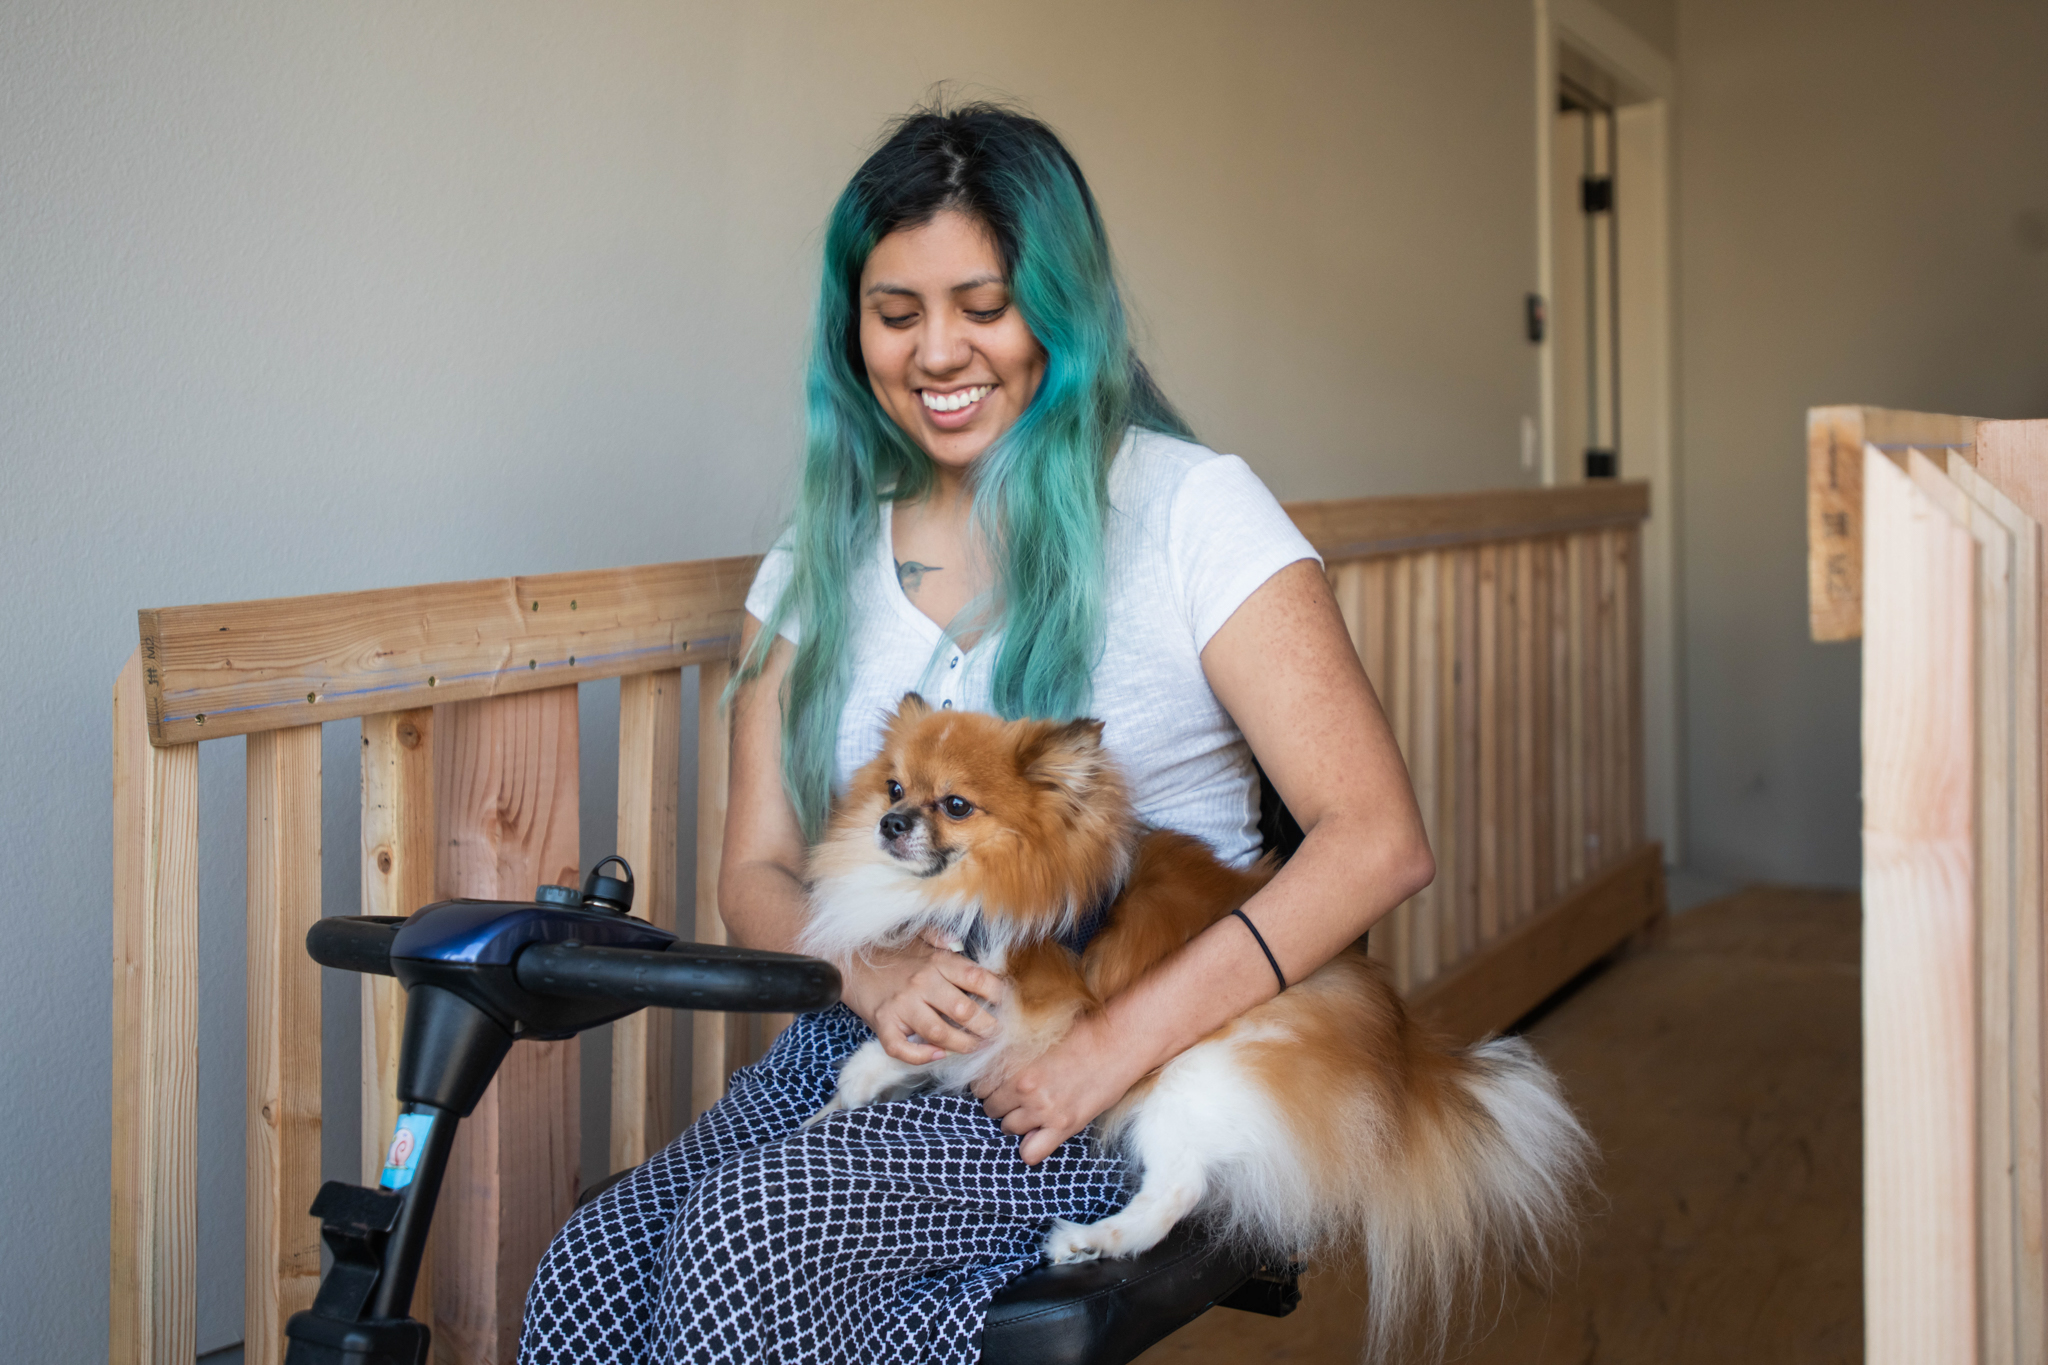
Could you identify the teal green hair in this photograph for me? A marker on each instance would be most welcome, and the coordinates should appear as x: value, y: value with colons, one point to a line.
x: 1041, y: 490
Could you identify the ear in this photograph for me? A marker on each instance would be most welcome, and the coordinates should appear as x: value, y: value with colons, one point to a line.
x: 1067, y: 756
x: 912, y: 707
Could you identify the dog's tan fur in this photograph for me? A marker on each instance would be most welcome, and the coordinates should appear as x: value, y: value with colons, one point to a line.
x: 1325, y: 1119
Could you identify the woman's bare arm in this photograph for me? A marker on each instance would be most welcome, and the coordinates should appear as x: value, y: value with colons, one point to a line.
x: 920, y: 1000
x: 1284, y: 667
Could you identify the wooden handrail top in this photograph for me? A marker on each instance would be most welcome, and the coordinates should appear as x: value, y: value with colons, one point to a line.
x: 239, y: 668
x: 1359, y: 528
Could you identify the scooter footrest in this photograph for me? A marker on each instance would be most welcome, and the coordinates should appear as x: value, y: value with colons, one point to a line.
x: 316, y: 1340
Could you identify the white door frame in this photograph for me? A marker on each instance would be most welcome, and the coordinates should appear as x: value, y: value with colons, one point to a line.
x: 1649, y: 391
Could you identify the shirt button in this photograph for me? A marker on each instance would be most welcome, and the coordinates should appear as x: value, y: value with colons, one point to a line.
x: 955, y: 663
x: 945, y: 706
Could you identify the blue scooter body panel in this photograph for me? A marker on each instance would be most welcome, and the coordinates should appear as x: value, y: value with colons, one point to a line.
x: 491, y: 933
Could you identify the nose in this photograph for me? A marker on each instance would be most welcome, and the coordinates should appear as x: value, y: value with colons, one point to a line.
x: 944, y: 348
x: 895, y: 825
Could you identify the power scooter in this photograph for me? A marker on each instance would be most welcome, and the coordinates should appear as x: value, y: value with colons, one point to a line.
x: 480, y: 975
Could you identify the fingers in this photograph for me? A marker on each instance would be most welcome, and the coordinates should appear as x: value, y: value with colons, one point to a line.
x: 966, y: 975
x: 948, y: 1001
x: 901, y: 1044
x: 1041, y: 1143
x: 935, y: 1028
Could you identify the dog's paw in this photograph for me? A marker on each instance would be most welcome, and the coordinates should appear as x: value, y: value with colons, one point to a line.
x: 1072, y: 1243
x: 870, y: 1074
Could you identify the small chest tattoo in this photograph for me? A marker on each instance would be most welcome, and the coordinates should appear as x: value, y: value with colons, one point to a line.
x: 910, y: 574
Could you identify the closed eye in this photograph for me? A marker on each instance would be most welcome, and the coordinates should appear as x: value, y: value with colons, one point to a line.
x: 956, y: 807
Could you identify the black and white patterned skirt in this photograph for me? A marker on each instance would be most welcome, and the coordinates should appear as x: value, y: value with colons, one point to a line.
x: 880, y: 1235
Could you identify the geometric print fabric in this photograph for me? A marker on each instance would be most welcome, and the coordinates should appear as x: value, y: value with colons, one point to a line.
x: 879, y: 1235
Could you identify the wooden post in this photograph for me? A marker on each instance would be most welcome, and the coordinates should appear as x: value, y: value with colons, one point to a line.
x: 397, y: 879
x: 1835, y: 438
x: 714, y: 767
x: 281, y: 1268
x: 1996, y: 702
x: 2012, y: 460
x: 650, y: 758
x: 506, y: 802
x: 152, y: 1272
x: 1919, y: 942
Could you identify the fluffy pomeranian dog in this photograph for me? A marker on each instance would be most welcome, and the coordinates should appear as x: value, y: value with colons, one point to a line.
x: 1323, y: 1121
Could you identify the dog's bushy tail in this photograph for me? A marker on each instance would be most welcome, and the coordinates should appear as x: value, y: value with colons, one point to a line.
x: 1489, y: 1176
x: 1441, y: 1168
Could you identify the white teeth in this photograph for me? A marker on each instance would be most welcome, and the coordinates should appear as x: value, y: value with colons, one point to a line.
x: 953, y: 402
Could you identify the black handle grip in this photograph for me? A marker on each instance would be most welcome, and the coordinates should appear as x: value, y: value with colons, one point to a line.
x: 354, y: 943
x: 689, y: 976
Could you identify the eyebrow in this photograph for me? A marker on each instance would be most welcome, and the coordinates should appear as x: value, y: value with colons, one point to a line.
x: 884, y: 287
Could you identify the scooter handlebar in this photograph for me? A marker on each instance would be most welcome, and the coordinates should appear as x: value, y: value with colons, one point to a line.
x: 688, y: 976
x: 354, y: 943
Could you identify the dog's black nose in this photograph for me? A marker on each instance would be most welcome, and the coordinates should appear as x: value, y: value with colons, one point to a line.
x: 895, y: 826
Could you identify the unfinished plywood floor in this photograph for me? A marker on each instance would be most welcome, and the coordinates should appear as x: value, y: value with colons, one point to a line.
x: 1719, y: 1070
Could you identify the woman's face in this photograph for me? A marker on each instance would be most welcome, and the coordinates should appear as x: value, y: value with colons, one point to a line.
x: 946, y: 352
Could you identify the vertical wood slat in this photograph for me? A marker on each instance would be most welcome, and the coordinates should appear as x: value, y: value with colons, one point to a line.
x: 1559, y: 729
x: 281, y: 1264
x: 1491, y: 833
x: 1585, y: 705
x: 1464, y: 938
x: 398, y: 872
x: 2014, y: 457
x: 506, y: 820
x: 1636, y: 754
x: 1422, y: 764
x: 650, y: 763
x: 1920, y: 1244
x: 1599, y: 699
x: 1450, y: 877
x: 152, y: 1269
x: 1528, y: 688
x: 708, y: 1043
x: 1401, y: 685
x: 2026, y: 963
x: 1995, y: 848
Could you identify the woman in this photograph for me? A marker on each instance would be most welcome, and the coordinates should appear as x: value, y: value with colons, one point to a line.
x: 998, y: 509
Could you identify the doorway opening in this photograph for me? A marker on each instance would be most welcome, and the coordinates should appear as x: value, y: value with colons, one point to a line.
x: 1586, y: 278
x: 1604, y: 107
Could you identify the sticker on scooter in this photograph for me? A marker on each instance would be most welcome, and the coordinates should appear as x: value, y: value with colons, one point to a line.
x: 403, y: 1158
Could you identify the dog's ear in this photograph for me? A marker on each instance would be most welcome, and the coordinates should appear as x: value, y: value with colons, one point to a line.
x: 912, y: 707
x: 1067, y: 756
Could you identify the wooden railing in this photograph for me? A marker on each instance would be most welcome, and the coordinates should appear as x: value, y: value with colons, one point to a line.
x: 1502, y: 630
x: 1953, y: 991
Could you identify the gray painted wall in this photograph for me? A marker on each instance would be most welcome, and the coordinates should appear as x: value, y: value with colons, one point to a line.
x: 1863, y: 193
x: 304, y: 298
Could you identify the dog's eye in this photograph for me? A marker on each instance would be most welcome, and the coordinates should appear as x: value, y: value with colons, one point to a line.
x: 895, y: 791
x: 957, y: 807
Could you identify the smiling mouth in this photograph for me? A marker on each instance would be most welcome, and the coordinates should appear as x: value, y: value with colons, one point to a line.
x: 957, y: 401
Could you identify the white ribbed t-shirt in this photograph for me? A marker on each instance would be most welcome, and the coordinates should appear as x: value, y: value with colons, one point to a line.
x: 1191, y: 535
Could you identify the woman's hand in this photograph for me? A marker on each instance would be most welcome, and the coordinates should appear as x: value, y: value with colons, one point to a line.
x: 1062, y: 1092
x: 921, y: 1002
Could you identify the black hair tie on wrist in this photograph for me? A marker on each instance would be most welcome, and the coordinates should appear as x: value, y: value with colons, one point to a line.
x: 1260, y: 939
